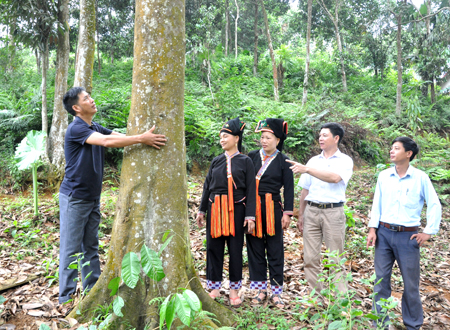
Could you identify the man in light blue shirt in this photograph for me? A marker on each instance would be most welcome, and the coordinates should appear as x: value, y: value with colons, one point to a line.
x: 393, y: 229
x: 321, y: 212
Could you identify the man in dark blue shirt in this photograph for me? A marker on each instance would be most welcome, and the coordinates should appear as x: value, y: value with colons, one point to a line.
x: 79, y: 194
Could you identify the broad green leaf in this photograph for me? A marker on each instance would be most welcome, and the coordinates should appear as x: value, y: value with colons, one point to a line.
x: 114, y: 286
x: 423, y: 9
x: 30, y: 149
x: 44, y: 326
x: 162, y: 312
x: 183, y: 309
x: 170, y: 313
x: 130, y: 269
x: 335, y: 325
x: 192, y: 300
x: 372, y: 316
x: 118, y: 303
x: 152, y: 264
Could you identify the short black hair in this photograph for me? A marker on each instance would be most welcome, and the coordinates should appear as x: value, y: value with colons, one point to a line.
x: 335, y: 129
x: 409, y: 145
x: 71, y: 98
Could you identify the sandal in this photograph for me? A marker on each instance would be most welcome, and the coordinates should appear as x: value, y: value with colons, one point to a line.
x: 233, y: 300
x: 279, y: 303
x: 214, y: 297
x: 256, y: 300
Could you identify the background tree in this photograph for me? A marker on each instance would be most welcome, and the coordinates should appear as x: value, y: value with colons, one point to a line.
x: 308, y: 51
x: 272, y: 55
x: 60, y: 118
x: 152, y: 195
x: 86, y: 46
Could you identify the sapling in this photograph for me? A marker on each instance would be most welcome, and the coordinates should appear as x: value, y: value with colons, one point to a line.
x: 28, y: 153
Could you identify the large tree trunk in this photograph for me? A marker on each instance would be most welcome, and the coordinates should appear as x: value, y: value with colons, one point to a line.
x: 152, y: 195
x: 236, y: 30
x: 86, y: 46
x: 44, y: 112
x: 398, y: 105
x: 255, y: 52
x: 60, y: 120
x: 227, y: 26
x: 308, y: 51
x: 272, y: 55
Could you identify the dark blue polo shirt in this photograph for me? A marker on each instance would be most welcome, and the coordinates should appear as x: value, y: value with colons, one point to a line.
x: 84, y: 162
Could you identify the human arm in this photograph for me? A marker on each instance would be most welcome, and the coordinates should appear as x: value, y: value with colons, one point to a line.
x: 301, y: 209
x: 320, y: 174
x: 288, y: 184
x: 118, y: 140
x: 371, y: 237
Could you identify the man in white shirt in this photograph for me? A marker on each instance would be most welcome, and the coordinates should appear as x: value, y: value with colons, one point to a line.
x: 393, y: 228
x: 321, y: 212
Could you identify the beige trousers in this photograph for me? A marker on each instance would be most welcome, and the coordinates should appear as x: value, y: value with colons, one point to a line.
x: 322, y: 225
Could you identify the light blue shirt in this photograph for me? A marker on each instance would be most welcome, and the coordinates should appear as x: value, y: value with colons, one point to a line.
x: 325, y: 192
x: 399, y: 201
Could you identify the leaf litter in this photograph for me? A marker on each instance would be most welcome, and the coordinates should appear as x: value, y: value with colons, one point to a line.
x: 27, y: 267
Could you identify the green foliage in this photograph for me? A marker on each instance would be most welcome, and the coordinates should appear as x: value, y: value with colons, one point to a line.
x: 337, y: 309
x: 28, y: 153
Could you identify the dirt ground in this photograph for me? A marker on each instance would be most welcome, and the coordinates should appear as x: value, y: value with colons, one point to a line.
x: 32, y: 300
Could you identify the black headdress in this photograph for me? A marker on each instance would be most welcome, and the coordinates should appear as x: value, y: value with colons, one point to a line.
x: 276, y: 126
x: 234, y: 127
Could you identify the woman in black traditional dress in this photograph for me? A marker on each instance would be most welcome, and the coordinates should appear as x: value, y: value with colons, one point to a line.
x: 272, y: 173
x: 229, y: 199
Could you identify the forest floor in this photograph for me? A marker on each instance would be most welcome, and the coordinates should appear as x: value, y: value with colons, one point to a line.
x: 29, y: 249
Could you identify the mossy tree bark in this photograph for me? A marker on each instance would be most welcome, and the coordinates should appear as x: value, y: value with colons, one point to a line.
x: 86, y: 46
x: 153, y: 191
x: 60, y: 120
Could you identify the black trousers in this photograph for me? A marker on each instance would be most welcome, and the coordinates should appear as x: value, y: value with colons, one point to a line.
x: 215, y: 248
x: 257, y: 247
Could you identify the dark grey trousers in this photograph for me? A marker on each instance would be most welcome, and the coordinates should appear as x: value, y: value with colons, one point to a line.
x: 79, y: 221
x: 393, y: 246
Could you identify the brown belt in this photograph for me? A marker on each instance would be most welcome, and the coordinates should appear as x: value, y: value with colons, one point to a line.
x: 398, y: 228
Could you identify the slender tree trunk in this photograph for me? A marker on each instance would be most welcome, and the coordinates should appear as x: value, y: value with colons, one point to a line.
x: 11, y: 47
x: 99, y: 58
x: 227, y: 26
x: 255, y: 52
x: 341, y: 58
x: 60, y: 120
x: 152, y: 196
x: 86, y: 46
x: 236, y: 30
x: 272, y: 55
x: 44, y: 112
x: 38, y: 60
x: 335, y: 21
x: 398, y: 105
x: 308, y: 52
x: 432, y: 90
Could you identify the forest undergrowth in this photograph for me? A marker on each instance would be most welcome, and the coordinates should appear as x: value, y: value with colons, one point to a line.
x: 29, y: 260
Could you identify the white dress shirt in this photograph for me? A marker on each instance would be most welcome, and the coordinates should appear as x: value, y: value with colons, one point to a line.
x: 325, y: 192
